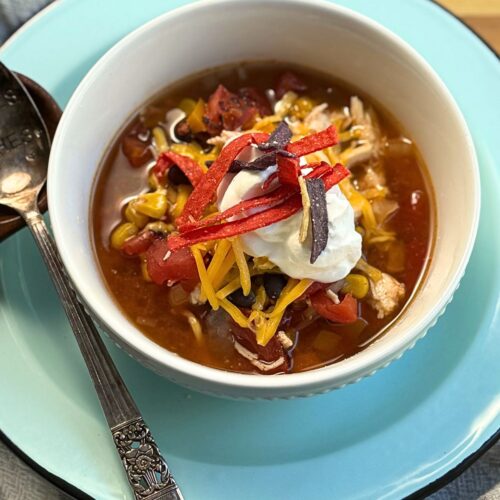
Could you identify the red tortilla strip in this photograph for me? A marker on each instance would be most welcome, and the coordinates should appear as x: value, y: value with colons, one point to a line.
x: 267, y: 183
x: 288, y: 170
x: 314, y: 142
x: 338, y: 173
x: 168, y: 159
x: 250, y: 223
x: 266, y: 200
x: 332, y: 177
x: 265, y: 218
x: 207, y: 187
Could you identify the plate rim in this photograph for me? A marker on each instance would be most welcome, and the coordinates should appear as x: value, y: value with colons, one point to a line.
x: 423, y: 492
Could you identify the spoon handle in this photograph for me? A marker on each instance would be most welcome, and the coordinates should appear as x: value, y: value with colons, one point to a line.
x: 147, y: 471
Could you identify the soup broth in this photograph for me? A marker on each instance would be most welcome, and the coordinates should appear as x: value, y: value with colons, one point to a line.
x: 392, y: 181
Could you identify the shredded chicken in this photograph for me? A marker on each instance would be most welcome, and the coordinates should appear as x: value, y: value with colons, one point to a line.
x: 359, y: 154
x: 225, y: 136
x: 194, y: 296
x: 372, y: 178
x: 369, y: 142
x: 383, y: 209
x: 284, y: 339
x: 252, y: 357
x: 318, y: 118
x: 385, y: 295
x: 333, y: 296
x: 342, y: 117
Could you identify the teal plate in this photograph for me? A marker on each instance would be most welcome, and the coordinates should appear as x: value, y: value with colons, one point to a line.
x: 384, y: 437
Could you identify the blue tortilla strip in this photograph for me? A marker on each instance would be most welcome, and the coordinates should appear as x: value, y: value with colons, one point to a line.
x: 278, y: 139
x: 261, y: 163
x: 319, y: 217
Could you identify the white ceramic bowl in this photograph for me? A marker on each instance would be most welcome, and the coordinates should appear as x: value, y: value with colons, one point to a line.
x: 311, y: 33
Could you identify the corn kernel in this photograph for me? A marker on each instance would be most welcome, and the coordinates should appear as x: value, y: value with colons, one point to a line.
x: 187, y: 105
x: 195, y: 118
x: 159, y: 227
x: 132, y: 215
x: 357, y: 285
x: 171, y: 195
x: 122, y: 233
x: 302, y: 107
x: 151, y: 204
x: 160, y: 139
x: 153, y: 182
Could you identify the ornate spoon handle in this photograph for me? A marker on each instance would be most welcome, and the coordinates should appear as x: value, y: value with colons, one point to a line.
x: 146, y: 470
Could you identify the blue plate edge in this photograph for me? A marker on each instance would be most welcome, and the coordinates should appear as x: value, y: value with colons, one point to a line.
x: 421, y: 493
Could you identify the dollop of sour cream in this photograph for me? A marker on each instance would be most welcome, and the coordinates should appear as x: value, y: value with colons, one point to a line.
x: 280, y: 243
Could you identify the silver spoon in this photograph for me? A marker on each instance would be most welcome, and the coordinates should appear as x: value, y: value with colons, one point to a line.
x: 24, y: 153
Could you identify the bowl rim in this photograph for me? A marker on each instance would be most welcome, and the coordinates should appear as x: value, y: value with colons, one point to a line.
x: 334, y: 375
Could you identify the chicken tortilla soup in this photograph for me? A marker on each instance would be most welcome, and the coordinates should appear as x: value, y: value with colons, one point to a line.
x: 262, y: 218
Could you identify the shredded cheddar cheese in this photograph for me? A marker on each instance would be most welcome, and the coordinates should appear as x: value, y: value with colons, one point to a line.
x: 221, y: 250
x: 206, y: 285
x: 224, y: 270
x: 242, y: 264
x: 260, y: 299
x: 267, y: 327
x: 238, y: 317
x: 286, y: 298
x: 270, y: 120
x: 231, y: 287
x: 373, y: 233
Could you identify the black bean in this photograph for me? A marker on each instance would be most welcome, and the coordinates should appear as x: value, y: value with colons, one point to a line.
x: 183, y: 132
x: 209, y: 163
x: 274, y: 284
x: 240, y: 300
x: 176, y: 176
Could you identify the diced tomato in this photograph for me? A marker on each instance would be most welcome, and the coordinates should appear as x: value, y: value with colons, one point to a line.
x: 226, y: 110
x: 252, y: 97
x: 139, y: 243
x: 136, y: 150
x: 345, y: 312
x: 164, y: 265
x: 216, y: 102
x: 289, y: 81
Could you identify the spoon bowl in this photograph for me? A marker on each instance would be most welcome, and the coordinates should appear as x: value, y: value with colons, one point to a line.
x: 24, y: 145
x: 10, y: 220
